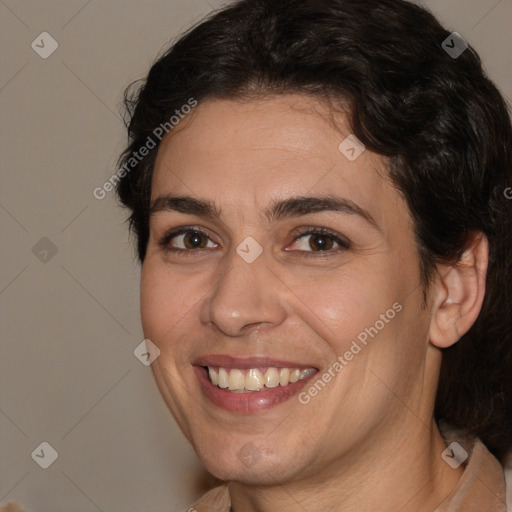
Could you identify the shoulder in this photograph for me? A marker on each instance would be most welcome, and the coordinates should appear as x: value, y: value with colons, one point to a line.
x: 10, y: 507
x: 482, y: 486
x: 216, y: 500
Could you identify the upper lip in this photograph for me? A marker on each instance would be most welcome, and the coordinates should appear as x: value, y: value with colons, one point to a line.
x: 246, y: 363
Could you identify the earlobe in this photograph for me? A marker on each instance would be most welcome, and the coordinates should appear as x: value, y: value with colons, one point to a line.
x: 459, y: 293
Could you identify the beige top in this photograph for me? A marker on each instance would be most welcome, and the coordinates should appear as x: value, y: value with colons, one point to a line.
x: 480, y: 489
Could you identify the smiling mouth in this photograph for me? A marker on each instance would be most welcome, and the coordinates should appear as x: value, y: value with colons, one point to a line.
x: 255, y: 380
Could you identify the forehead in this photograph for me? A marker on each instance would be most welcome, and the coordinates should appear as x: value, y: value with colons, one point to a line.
x: 243, y: 154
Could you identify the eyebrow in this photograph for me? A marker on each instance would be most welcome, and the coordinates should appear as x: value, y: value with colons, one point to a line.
x: 278, y: 209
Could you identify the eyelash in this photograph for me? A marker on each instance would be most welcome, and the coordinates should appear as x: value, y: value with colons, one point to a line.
x: 343, y: 243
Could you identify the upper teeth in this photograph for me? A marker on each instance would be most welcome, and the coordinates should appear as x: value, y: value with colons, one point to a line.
x: 255, y: 379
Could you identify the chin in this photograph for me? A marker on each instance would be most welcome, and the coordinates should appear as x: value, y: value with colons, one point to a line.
x: 249, y: 466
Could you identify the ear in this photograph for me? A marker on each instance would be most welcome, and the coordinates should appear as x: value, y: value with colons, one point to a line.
x: 459, y: 292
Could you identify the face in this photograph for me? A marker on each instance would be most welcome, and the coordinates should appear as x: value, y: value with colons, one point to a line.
x: 287, y: 272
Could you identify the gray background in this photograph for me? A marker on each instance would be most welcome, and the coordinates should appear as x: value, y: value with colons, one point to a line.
x: 70, y: 321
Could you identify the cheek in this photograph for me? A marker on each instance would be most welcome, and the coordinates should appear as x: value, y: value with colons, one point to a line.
x: 165, y: 299
x: 153, y: 303
x: 346, y: 302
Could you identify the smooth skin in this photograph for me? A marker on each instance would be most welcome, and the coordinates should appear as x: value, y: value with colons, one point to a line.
x: 367, y: 441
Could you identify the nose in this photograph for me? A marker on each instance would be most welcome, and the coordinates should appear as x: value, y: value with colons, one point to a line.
x: 247, y: 297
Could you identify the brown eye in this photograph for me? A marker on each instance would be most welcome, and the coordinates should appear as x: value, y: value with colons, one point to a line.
x: 321, y: 242
x: 194, y: 240
x: 187, y: 240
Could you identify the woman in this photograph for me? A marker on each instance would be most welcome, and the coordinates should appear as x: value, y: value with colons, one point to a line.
x: 317, y: 188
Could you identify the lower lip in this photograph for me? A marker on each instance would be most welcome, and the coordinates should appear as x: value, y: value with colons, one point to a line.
x: 248, y: 403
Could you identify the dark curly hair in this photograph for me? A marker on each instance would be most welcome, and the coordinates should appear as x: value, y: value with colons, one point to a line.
x: 440, y: 121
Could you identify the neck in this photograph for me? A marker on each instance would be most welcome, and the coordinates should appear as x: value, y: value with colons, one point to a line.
x: 410, y: 477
